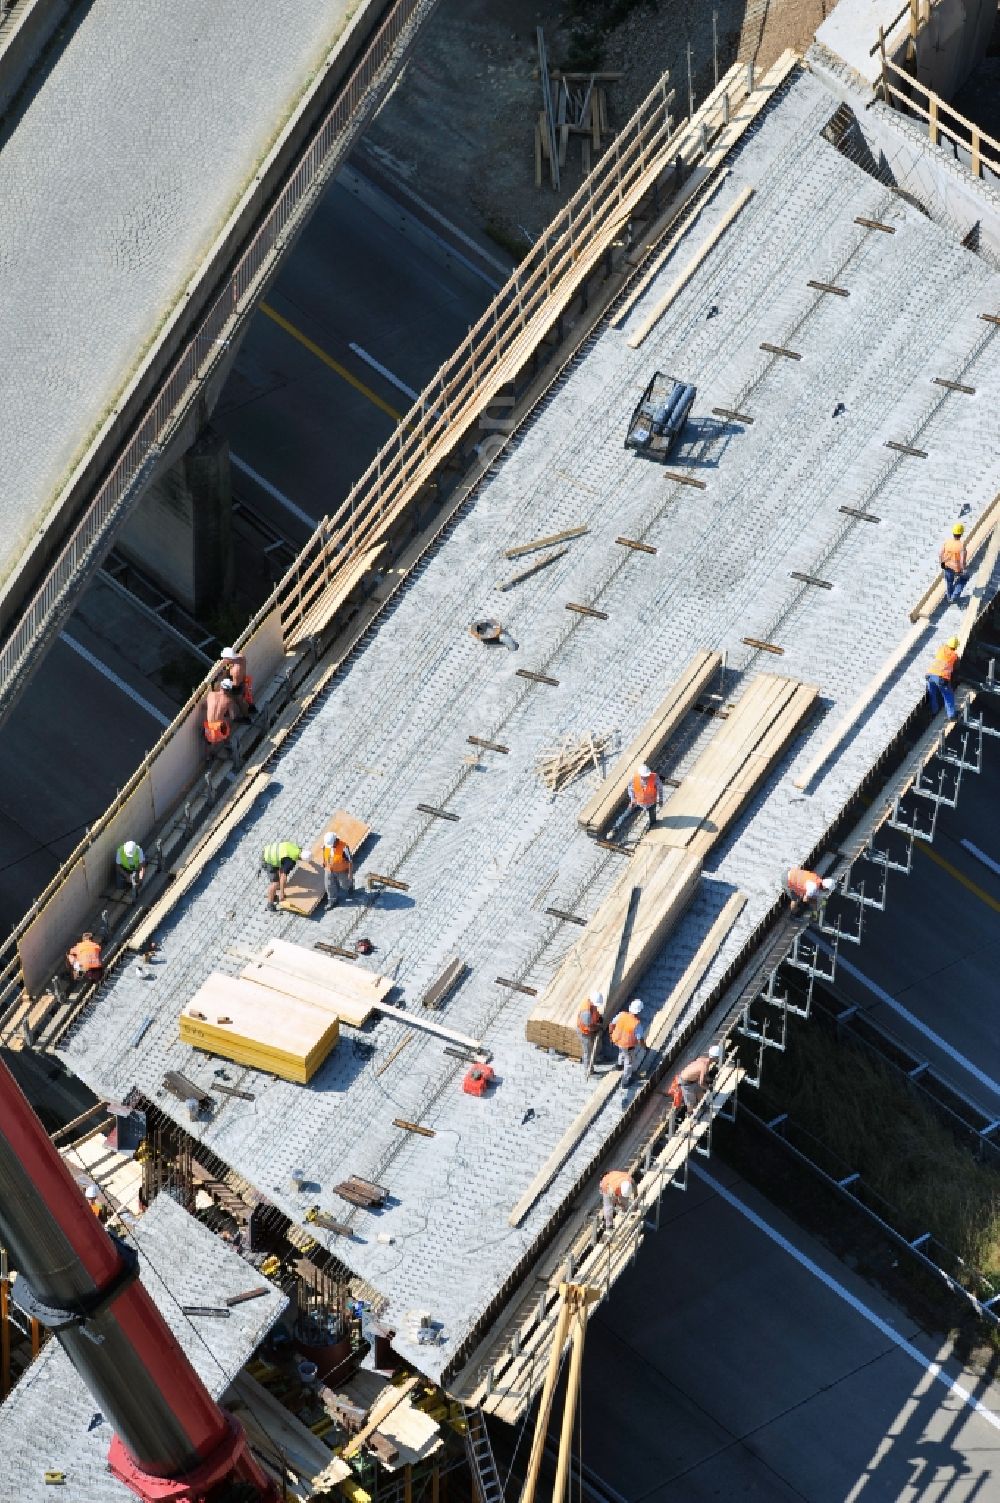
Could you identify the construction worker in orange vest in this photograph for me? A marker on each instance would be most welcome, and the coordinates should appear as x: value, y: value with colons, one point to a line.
x: 590, y: 1026
x: 338, y: 869
x: 939, y: 676
x: 84, y: 959
x: 234, y: 666
x: 807, y: 889
x: 694, y: 1079
x: 220, y: 710
x: 617, y: 1194
x: 95, y: 1203
x: 955, y: 563
x: 627, y: 1034
x: 645, y: 791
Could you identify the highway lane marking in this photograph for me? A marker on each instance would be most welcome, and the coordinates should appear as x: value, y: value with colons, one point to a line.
x: 273, y: 491
x: 328, y: 360
x: 857, y: 1305
x: 384, y: 371
x: 953, y: 871
x: 113, y: 678
x: 987, y: 861
x: 914, y: 1022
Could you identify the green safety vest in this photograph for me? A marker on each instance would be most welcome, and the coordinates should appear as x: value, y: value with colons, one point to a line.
x: 128, y: 863
x: 275, y: 853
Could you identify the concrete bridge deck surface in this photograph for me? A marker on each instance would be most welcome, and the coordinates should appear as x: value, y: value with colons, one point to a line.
x: 117, y: 176
x: 391, y: 733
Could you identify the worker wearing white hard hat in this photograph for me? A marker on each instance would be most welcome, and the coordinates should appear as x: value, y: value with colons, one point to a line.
x: 645, y: 791
x: 629, y: 1038
x: 590, y: 1027
x: 807, y: 889
x: 338, y: 868
x: 130, y: 865
x: 695, y: 1078
x: 234, y: 667
x: 617, y: 1191
x: 95, y: 1203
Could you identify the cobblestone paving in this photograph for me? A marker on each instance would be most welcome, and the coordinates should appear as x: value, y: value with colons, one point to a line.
x: 391, y: 733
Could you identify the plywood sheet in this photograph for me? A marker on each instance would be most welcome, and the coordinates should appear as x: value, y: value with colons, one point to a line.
x: 609, y: 799
x: 619, y: 943
x: 59, y: 925
x: 348, y: 976
x: 177, y: 763
x: 349, y: 1010
x: 250, y: 1025
x: 306, y: 888
x: 134, y: 821
x: 265, y: 651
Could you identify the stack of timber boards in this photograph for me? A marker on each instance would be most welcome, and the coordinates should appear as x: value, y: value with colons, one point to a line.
x: 265, y: 1031
x: 609, y: 800
x: 306, y: 887
x: 620, y: 941
x: 340, y: 987
x: 738, y: 758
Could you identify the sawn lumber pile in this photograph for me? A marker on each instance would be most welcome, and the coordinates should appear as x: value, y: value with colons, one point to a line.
x: 571, y: 760
x: 250, y: 1025
x: 609, y: 800
x: 617, y: 946
x: 733, y: 765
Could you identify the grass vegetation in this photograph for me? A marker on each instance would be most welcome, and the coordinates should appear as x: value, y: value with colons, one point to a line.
x: 877, y: 1125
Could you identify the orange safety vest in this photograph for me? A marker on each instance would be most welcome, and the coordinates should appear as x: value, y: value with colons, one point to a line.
x: 644, y: 790
x: 86, y: 954
x: 944, y: 662
x: 624, y: 1030
x: 799, y: 879
x: 337, y: 857
x: 589, y: 1020
x: 216, y: 731
x: 953, y: 555
x: 612, y: 1182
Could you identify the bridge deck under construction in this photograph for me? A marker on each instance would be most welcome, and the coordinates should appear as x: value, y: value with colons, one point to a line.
x: 805, y: 533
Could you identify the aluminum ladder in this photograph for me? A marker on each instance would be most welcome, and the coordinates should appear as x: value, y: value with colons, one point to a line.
x: 482, y: 1462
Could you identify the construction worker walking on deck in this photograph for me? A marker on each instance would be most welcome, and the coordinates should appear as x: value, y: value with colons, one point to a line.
x: 939, y: 677
x: 695, y: 1078
x: 955, y: 563
x: 84, y: 959
x: 234, y: 666
x: 278, y: 860
x: 645, y: 791
x: 807, y: 889
x: 338, y: 869
x: 130, y: 865
x: 617, y: 1194
x: 220, y: 711
x: 590, y: 1026
x: 627, y: 1035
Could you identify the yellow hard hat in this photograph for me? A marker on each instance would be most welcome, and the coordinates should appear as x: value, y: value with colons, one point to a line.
x: 952, y: 642
x: 957, y: 530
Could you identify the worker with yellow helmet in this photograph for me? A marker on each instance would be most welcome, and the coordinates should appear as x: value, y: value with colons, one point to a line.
x: 939, y: 676
x: 955, y: 564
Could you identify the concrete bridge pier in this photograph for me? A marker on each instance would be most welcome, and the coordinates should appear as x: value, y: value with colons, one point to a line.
x: 181, y: 531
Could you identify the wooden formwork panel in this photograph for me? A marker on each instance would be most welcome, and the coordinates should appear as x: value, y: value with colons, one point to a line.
x: 243, y: 1022
x: 47, y: 938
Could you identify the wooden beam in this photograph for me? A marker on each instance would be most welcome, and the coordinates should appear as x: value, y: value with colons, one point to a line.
x: 708, y: 191
x: 389, y: 1399
x: 652, y: 318
x: 522, y: 574
x: 547, y: 542
x: 677, y: 1000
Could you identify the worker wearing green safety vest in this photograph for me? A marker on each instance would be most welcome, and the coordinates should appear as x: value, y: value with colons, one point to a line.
x: 130, y: 865
x: 278, y: 860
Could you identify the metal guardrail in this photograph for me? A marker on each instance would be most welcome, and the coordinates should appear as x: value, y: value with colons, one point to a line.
x: 82, y: 550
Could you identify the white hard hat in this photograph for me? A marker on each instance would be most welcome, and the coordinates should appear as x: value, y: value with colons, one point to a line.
x: 597, y: 998
x: 227, y: 684
x: 645, y: 770
x: 91, y: 1192
x: 635, y: 1007
x: 828, y: 884
x: 626, y: 1189
x: 229, y: 654
x: 130, y: 847
x: 329, y: 838
x: 812, y: 888
x: 714, y: 1051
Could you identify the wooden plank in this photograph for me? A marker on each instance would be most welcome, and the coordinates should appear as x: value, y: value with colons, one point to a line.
x: 975, y: 538
x: 546, y: 542
x: 652, y: 318
x: 610, y: 798
x: 666, y: 881
x: 199, y: 859
x: 306, y: 887
x: 346, y: 578
x: 541, y: 563
x: 280, y: 983
x: 425, y: 1025
x: 387, y: 1401
x: 444, y: 983
x: 672, y: 1007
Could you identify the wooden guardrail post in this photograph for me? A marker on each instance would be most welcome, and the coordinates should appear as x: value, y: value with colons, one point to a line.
x: 932, y: 119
